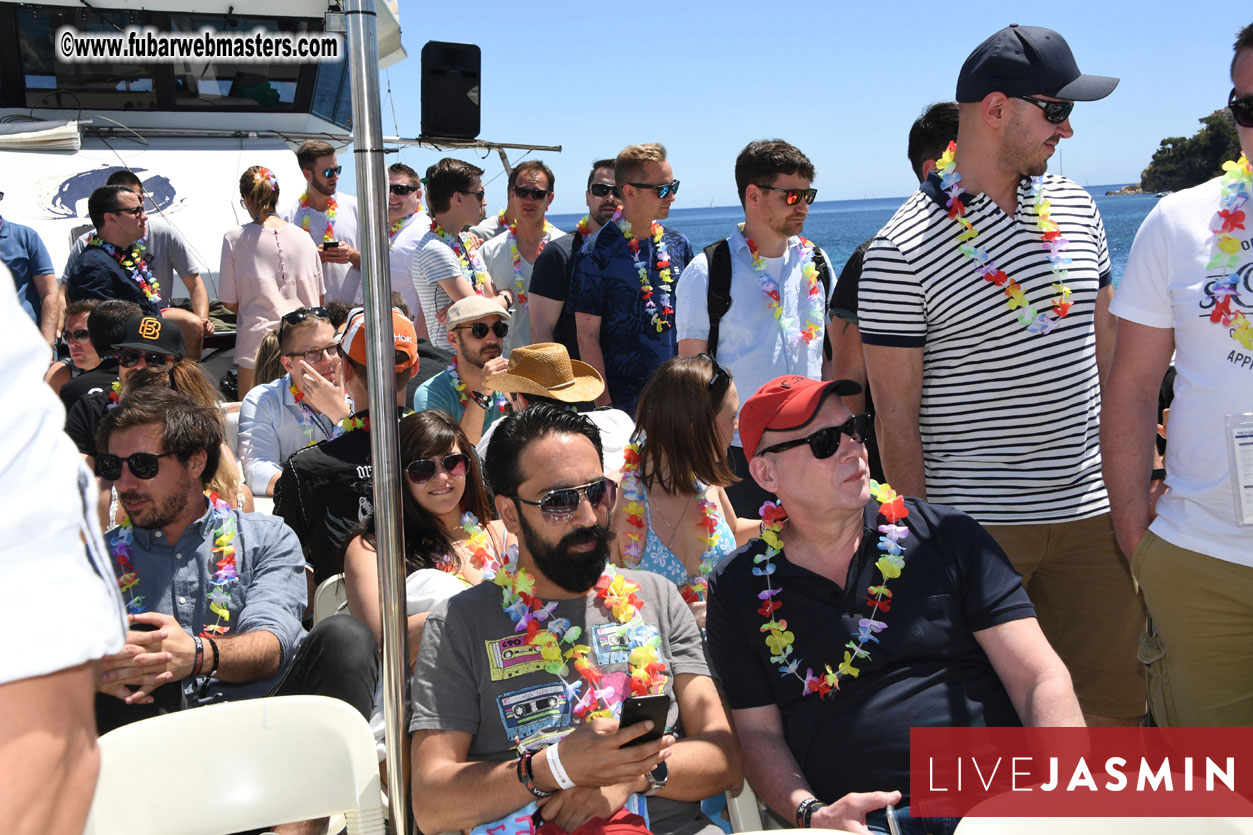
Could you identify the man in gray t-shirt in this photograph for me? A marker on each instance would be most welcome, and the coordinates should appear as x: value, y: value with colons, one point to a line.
x: 544, y: 673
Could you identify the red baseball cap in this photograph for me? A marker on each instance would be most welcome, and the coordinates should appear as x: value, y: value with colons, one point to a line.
x: 403, y: 338
x: 786, y: 403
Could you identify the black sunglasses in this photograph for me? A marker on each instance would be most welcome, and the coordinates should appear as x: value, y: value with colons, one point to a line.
x: 327, y: 173
x: 128, y: 358
x: 825, y: 442
x: 602, y: 190
x: 301, y: 313
x: 795, y: 195
x: 530, y: 193
x: 424, y: 469
x: 479, y: 329
x: 478, y: 195
x: 401, y: 190
x: 1241, y: 109
x: 559, y: 505
x: 134, y: 211
x: 721, y: 379
x: 663, y: 191
x: 142, y: 465
x: 1055, y: 112
x: 80, y: 335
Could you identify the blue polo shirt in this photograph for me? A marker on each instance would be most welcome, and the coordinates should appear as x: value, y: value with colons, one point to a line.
x: 25, y: 255
x: 440, y: 393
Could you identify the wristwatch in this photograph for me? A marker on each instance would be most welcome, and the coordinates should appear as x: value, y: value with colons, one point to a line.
x: 657, y: 779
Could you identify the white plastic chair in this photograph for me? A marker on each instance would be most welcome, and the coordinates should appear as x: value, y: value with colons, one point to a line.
x: 232, y: 430
x: 743, y: 811
x: 238, y: 766
x: 331, y: 597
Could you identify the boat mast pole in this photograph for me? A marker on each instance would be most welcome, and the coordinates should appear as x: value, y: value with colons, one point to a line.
x: 384, y: 441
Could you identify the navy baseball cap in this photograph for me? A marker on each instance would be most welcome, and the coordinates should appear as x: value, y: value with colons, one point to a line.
x: 1028, y: 61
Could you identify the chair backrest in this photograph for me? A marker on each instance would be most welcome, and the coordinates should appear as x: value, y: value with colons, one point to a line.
x: 330, y: 597
x: 238, y: 766
x: 743, y: 811
x: 232, y: 430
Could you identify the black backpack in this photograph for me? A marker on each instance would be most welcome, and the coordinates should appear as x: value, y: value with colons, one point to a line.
x: 718, y: 294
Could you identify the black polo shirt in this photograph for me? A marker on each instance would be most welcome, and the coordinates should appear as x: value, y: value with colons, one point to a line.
x: 97, y: 275
x: 926, y: 670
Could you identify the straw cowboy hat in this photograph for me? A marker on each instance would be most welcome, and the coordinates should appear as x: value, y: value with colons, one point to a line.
x: 546, y: 370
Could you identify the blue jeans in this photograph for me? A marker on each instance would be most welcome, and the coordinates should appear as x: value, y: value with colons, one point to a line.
x: 877, y: 821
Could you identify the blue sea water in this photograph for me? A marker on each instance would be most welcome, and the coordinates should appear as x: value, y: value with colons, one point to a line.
x: 839, y: 226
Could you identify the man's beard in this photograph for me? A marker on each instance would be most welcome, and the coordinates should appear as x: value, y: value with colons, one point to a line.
x: 575, y: 571
x: 321, y: 187
x: 161, y: 512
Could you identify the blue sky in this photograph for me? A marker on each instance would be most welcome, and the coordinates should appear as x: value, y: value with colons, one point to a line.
x: 842, y: 81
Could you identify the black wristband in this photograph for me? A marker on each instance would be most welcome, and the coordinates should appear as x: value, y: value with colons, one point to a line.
x: 484, y: 400
x: 1158, y: 474
x: 216, y: 659
x: 199, y: 660
x: 805, y: 811
x: 527, y: 778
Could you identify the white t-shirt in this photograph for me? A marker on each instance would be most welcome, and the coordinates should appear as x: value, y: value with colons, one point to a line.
x: 343, y: 281
x: 497, y: 256
x: 403, y: 248
x: 1164, y: 287
x: 63, y: 606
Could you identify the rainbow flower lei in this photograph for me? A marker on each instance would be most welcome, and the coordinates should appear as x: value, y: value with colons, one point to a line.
x: 133, y: 261
x: 556, y: 640
x: 519, y: 288
x: 219, y: 597
x: 584, y: 226
x: 471, y: 263
x: 463, y: 397
x: 393, y: 228
x: 656, y: 315
x: 307, y: 419
x: 115, y: 393
x: 780, y: 641
x: 813, y: 293
x: 1237, y: 186
x: 1055, y: 244
x: 332, y: 208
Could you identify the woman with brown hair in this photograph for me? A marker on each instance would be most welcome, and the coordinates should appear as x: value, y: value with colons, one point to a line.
x: 673, y: 516
x: 269, y: 267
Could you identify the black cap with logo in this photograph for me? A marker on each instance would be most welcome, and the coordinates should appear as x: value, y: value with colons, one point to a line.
x: 151, y: 333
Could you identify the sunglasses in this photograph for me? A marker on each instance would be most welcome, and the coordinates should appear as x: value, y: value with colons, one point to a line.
x: 602, y: 190
x: 1241, y: 109
x: 142, y: 465
x: 530, y: 193
x: 77, y: 336
x: 559, y: 505
x: 825, y: 442
x: 1055, y: 112
x: 401, y: 190
x: 478, y: 195
x: 134, y: 211
x: 479, y: 329
x: 795, y: 195
x: 315, y: 354
x: 663, y: 191
x: 300, y: 314
x: 327, y: 173
x: 424, y: 469
x: 128, y: 358
x: 721, y: 379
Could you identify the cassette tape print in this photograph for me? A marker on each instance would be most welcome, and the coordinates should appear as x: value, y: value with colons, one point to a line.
x: 533, y: 711
x: 510, y: 657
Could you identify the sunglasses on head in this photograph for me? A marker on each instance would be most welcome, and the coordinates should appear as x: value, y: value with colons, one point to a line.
x: 479, y: 329
x: 530, y: 193
x: 720, y: 381
x: 795, y: 195
x: 129, y: 358
x: 825, y: 442
x: 142, y: 465
x: 300, y: 314
x: 80, y: 335
x: 1055, y: 112
x: 1241, y: 109
x: 602, y: 190
x: 424, y: 469
x: 327, y: 173
x: 401, y: 190
x: 663, y: 191
x: 559, y: 505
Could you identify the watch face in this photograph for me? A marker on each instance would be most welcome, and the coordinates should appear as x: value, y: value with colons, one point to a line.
x: 658, y: 776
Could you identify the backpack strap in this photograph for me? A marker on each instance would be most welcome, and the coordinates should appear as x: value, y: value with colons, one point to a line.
x: 824, y: 275
x: 718, y: 293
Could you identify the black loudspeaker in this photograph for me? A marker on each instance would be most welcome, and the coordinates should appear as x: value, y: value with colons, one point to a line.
x: 450, y: 89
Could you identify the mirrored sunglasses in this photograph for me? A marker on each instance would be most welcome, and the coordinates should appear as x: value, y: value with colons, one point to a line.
x: 663, y: 191
x: 327, y: 173
x: 795, y: 195
x: 559, y: 505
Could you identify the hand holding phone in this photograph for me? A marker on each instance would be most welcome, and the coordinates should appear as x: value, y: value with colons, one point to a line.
x: 330, y: 244
x: 639, y: 708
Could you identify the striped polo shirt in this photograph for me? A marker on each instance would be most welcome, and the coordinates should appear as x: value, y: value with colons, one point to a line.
x: 1009, y: 419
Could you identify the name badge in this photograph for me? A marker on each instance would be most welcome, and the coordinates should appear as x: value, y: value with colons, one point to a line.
x: 1240, y: 455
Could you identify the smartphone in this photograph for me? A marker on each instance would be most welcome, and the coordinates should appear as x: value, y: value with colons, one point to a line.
x: 638, y: 708
x: 330, y: 244
x: 893, y: 826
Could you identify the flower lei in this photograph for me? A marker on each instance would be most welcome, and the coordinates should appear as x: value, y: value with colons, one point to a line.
x: 393, y: 228
x: 266, y: 176
x: 657, y: 232
x: 471, y: 264
x: 1237, y: 185
x: 463, y: 396
x: 813, y: 293
x: 352, y: 423
x: 556, y: 640
x: 307, y: 419
x: 133, y: 261
x: 219, y: 597
x: 780, y: 641
x: 115, y: 393
x: 481, y: 556
x: 519, y: 288
x: 331, y: 210
x: 584, y: 227
x: 1053, y: 242
x: 697, y: 586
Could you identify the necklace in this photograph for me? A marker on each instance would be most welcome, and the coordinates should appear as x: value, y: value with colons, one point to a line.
x: 1237, y: 185
x: 1036, y: 322
x: 656, y: 315
x: 675, y: 527
x: 584, y: 227
x: 519, y: 287
x: 115, y: 393
x: 132, y: 260
x: 478, y: 544
x: 352, y: 423
x: 813, y: 293
x: 332, y: 208
x: 556, y: 639
x: 308, y: 418
x: 471, y: 264
x: 219, y: 597
x: 780, y: 641
x: 393, y: 228
x: 463, y: 396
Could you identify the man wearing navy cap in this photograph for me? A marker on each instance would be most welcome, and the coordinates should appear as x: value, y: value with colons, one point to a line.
x: 984, y: 314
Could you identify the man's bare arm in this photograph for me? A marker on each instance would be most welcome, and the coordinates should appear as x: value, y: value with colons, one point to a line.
x: 199, y: 296
x: 49, y: 305
x: 847, y: 361
x: 896, y: 376
x: 544, y: 315
x: 1106, y: 327
x: 247, y: 657
x: 1035, y: 678
x: 588, y: 326
x: 692, y: 347
x: 706, y: 761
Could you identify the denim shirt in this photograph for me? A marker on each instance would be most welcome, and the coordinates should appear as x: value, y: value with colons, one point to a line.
x: 270, y: 595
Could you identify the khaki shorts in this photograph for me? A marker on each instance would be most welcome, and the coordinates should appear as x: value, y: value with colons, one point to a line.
x: 1200, y: 650
x: 1088, y: 607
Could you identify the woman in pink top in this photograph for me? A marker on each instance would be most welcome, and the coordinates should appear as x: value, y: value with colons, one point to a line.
x: 269, y: 268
